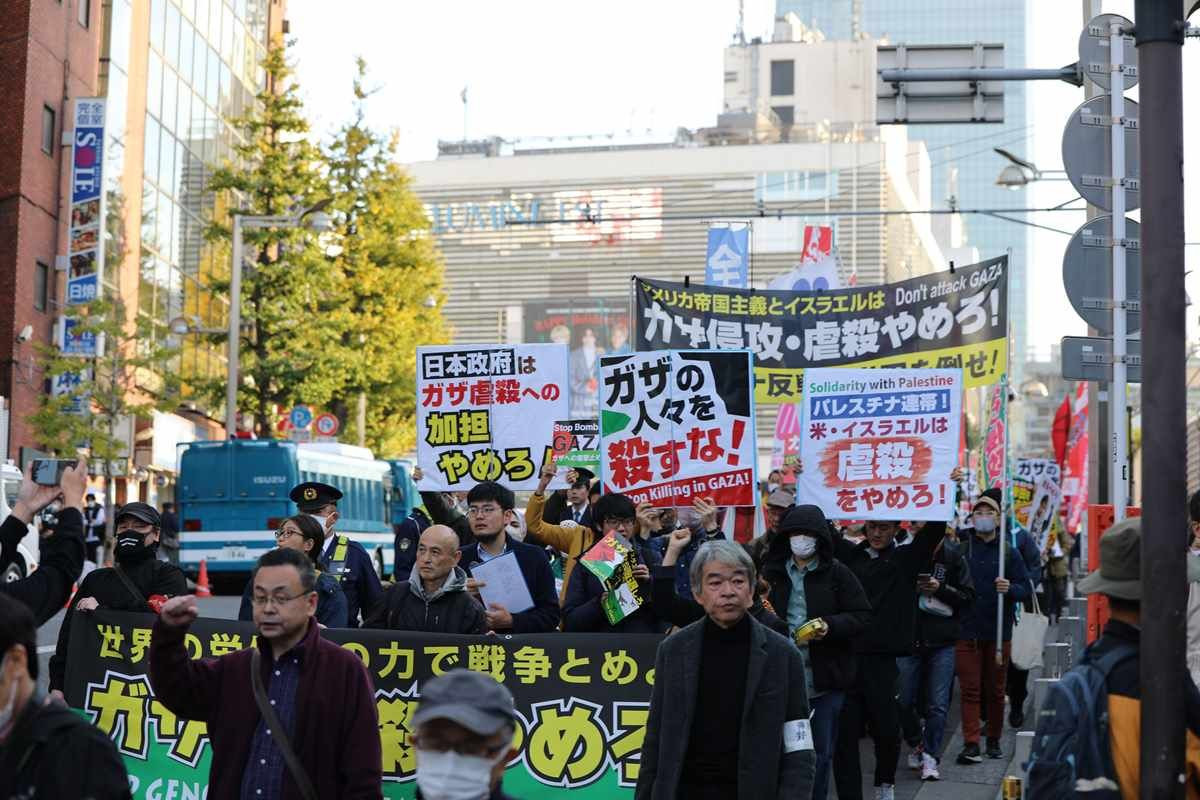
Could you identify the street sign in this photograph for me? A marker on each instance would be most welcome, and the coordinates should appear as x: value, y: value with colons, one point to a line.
x: 1087, y: 152
x: 1094, y: 51
x: 1087, y: 273
x: 326, y: 424
x: 1089, y: 358
x: 300, y: 417
x: 911, y: 102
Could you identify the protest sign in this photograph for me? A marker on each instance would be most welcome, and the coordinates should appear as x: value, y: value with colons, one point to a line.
x: 1026, y: 478
x: 675, y: 426
x: 582, y: 701
x: 995, y: 445
x: 1044, y: 509
x: 880, y: 444
x: 786, y: 449
x: 486, y: 412
x: 591, y: 327
x: 577, y: 445
x: 945, y: 320
x: 612, y: 563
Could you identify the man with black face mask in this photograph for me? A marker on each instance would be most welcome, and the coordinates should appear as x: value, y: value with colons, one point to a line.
x: 138, y: 581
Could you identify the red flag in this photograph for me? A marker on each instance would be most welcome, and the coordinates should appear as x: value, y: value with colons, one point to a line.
x: 1060, y: 430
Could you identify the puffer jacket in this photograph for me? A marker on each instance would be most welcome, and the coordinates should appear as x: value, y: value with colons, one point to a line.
x: 450, y: 609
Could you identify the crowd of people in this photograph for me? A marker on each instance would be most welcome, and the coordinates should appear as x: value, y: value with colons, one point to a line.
x: 813, y: 635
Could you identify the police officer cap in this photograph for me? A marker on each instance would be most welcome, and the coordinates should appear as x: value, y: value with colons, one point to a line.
x: 312, y: 495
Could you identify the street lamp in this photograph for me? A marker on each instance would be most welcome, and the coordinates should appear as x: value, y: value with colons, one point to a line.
x: 1019, y: 172
x: 314, y: 219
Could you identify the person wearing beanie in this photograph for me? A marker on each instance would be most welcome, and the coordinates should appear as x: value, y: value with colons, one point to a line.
x: 808, y: 584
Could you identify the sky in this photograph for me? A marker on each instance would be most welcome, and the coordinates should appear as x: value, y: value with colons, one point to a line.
x: 535, y: 68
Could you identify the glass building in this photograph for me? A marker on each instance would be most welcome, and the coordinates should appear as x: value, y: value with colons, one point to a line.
x: 965, y: 147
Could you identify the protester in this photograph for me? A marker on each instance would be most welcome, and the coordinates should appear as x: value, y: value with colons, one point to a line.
x: 1054, y: 557
x: 701, y: 521
x: 169, y: 544
x: 680, y: 610
x: 808, y: 583
x: 888, y: 574
x: 94, y: 520
x: 583, y: 603
x: 980, y: 678
x: 725, y: 690
x: 777, y: 504
x: 490, y: 507
x: 46, y: 591
x: 137, y: 582
x: 1068, y: 738
x: 318, y: 693
x: 1016, y: 683
x: 305, y: 534
x: 434, y: 599
x: 463, y: 731
x: 46, y: 749
x: 569, y: 538
x: 947, y: 591
x: 346, y: 560
x: 578, y: 510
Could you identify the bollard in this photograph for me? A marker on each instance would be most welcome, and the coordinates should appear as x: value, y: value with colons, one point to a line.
x: 1070, y: 630
x: 1041, y: 687
x: 1024, y: 747
x: 1056, y: 659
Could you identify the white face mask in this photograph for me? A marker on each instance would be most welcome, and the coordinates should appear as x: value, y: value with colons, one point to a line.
x: 453, y: 776
x: 985, y: 524
x: 803, y: 546
x: 322, y: 521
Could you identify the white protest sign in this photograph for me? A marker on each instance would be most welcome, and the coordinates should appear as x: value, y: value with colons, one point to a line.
x: 880, y: 443
x: 487, y: 412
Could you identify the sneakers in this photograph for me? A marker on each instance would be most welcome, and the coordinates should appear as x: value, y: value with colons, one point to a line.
x: 929, y: 768
x: 914, y: 757
x: 885, y: 792
x: 970, y: 754
x: 993, y: 749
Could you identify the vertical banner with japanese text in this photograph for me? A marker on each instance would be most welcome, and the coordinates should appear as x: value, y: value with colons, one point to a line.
x: 880, y: 444
x: 85, y: 237
x: 676, y: 426
x: 582, y: 702
x: 487, y: 412
x: 944, y: 320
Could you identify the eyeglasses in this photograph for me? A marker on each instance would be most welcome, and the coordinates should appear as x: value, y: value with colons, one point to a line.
x: 482, y: 511
x: 279, y: 599
x: 616, y: 522
x: 467, y: 747
x: 284, y: 533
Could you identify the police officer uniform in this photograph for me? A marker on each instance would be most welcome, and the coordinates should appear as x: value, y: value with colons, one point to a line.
x: 345, y: 560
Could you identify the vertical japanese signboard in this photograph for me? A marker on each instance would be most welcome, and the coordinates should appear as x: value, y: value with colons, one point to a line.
x: 85, y: 238
x: 881, y: 444
x: 487, y: 412
x: 676, y: 426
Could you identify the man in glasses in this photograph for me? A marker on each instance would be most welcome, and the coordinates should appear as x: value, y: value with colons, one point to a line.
x: 138, y: 581
x: 490, y: 510
x: 317, y: 696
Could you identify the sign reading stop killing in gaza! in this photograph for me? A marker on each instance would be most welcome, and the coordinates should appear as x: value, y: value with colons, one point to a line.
x: 881, y: 443
x: 675, y: 426
x: 487, y: 413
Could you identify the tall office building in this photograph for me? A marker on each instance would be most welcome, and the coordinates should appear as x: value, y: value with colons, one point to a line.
x: 175, y: 75
x: 965, y: 147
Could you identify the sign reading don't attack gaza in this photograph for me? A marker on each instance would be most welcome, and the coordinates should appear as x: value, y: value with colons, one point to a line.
x: 880, y: 444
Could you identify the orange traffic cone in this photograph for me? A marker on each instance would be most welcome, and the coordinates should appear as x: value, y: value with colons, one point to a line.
x: 74, y: 589
x: 202, y: 588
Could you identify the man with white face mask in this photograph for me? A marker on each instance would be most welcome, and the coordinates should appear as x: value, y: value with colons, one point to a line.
x: 464, y: 730
x: 46, y: 749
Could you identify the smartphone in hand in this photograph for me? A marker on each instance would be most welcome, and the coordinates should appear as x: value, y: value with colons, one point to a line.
x: 49, y: 471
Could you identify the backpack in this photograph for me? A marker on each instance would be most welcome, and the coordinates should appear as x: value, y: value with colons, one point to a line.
x: 1071, y: 756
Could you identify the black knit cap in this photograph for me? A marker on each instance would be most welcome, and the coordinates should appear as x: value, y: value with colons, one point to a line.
x: 804, y: 519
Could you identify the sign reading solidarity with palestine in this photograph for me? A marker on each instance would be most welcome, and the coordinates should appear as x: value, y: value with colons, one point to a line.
x: 582, y: 701
x: 880, y: 444
x: 945, y: 320
x: 487, y: 412
x: 674, y: 426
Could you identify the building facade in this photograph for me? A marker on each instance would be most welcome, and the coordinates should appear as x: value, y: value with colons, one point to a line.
x: 175, y: 74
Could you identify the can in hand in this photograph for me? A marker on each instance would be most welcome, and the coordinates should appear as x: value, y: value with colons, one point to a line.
x: 809, y: 630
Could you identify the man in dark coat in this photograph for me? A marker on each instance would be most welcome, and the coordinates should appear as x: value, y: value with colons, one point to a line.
x: 320, y: 692
x: 729, y: 715
x: 137, y: 582
x: 434, y: 598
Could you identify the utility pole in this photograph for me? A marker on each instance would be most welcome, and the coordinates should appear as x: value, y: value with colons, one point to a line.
x: 1159, y: 30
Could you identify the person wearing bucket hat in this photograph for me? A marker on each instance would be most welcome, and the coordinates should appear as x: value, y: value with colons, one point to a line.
x: 1115, y: 654
x: 463, y: 732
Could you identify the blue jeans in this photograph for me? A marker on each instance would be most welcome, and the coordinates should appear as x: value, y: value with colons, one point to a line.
x: 926, y: 676
x: 826, y: 710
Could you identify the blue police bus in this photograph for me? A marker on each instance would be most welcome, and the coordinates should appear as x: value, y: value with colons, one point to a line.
x: 233, y: 495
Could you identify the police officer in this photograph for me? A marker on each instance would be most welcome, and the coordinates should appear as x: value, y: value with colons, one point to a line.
x: 347, y: 561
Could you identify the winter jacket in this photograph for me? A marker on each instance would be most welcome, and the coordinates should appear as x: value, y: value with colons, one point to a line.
x: 451, y: 609
x: 833, y: 594
x: 404, y: 546
x: 150, y: 576
x: 683, y: 565
x: 955, y: 589
x: 889, y: 578
x: 582, y: 612
x: 535, y: 568
x: 681, y: 611
x: 54, y: 752
x: 332, y: 609
x: 1193, y: 628
x: 569, y: 538
x: 47, y: 590
x: 983, y: 559
x: 758, y: 547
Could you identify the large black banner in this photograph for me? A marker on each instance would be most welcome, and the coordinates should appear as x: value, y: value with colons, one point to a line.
x: 582, y: 699
x: 955, y: 319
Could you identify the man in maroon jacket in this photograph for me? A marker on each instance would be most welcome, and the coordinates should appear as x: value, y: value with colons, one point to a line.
x: 319, y: 691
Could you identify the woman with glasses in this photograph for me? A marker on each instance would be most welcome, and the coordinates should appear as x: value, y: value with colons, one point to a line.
x: 305, y: 534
